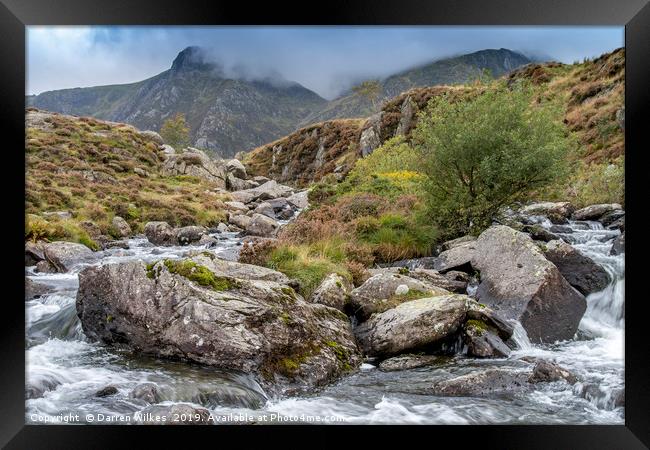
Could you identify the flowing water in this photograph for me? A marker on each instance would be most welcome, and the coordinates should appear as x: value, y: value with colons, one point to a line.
x: 64, y: 370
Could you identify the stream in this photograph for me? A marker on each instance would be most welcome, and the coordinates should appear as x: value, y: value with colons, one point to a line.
x: 64, y: 370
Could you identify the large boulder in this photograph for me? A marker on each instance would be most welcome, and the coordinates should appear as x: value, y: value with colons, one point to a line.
x: 182, y: 309
x: 519, y: 283
x: 120, y: 225
x: 595, y: 212
x: 196, y: 163
x: 484, y: 383
x: 266, y: 209
x: 579, y: 270
x: 267, y: 191
x: 240, y: 220
x: 160, y: 233
x: 34, y: 252
x: 261, y: 225
x: 63, y: 255
x: 238, y: 207
x: 333, y: 291
x: 459, y: 257
x: 413, y: 325
x: 385, y: 290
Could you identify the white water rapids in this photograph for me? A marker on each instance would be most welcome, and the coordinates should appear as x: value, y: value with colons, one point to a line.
x: 64, y: 370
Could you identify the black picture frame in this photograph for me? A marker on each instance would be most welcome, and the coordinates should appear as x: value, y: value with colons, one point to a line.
x: 15, y: 15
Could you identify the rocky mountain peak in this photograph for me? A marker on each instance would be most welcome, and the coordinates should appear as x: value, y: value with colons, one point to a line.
x: 191, y: 58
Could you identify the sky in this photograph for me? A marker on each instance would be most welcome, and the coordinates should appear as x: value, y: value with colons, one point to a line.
x: 327, y: 60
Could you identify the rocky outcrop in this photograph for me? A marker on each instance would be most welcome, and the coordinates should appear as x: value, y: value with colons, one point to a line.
x: 381, y: 292
x: 333, y: 291
x: 196, y: 163
x: 185, y: 309
x: 579, y: 270
x: 371, y: 135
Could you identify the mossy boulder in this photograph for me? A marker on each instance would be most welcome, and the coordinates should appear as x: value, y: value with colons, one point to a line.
x: 218, y: 313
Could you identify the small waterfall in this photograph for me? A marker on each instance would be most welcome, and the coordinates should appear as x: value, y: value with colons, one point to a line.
x: 520, y: 338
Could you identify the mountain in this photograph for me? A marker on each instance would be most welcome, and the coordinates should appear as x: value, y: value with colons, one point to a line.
x: 449, y: 71
x: 225, y: 114
x: 591, y: 92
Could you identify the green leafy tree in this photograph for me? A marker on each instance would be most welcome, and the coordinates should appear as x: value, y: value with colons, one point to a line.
x: 369, y: 89
x: 175, y: 131
x: 485, y: 152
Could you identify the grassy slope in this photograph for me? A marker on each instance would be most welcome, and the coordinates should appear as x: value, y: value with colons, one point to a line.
x: 61, y: 150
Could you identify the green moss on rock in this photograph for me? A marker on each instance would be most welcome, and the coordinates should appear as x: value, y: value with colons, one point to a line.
x: 200, y: 275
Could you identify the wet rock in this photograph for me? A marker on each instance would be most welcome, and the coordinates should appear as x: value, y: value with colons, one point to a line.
x: 618, y: 224
x: 189, y: 234
x: 479, y: 312
x: 207, y: 241
x: 45, y: 267
x: 222, y: 228
x: 519, y: 283
x: 123, y: 244
x: 333, y: 291
x: 37, y: 389
x: 187, y: 309
x: 484, y: 383
x: 63, y: 255
x: 122, y: 228
x: 546, y: 371
x: 483, y: 341
x: 412, y: 325
x: 595, y: 212
x: 378, y: 293
x: 160, y: 233
x: 240, y: 221
x: 612, y: 217
x: 106, y: 391
x: 174, y: 414
x: 549, y: 209
x: 279, y: 204
x: 618, y: 246
x: 261, y: 225
x: 579, y: 270
x: 147, y: 392
x: 34, y: 289
x: 285, y: 214
x: 562, y: 229
x: 539, y: 233
x: 408, y: 361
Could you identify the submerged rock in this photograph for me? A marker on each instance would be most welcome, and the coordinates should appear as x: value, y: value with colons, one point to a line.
x: 106, y: 391
x: 618, y: 246
x: 408, y: 361
x: 183, y: 309
x: 485, y: 383
x: 147, y: 392
x: 579, y: 270
x: 546, y: 371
